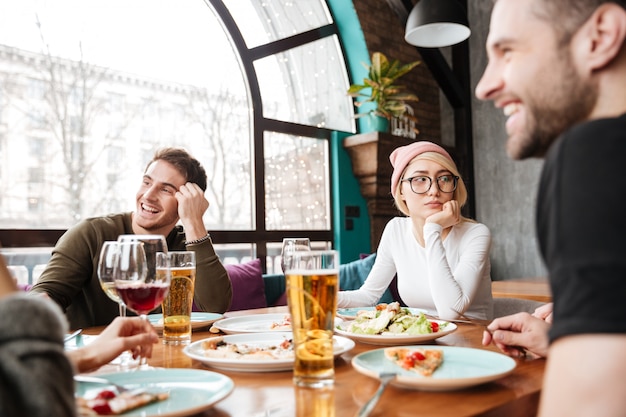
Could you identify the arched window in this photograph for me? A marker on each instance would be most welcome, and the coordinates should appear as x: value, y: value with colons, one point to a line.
x: 89, y: 90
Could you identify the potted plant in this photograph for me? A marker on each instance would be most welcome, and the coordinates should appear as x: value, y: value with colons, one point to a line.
x: 390, y: 98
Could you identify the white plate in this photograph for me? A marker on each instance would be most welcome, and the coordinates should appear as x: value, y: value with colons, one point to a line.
x: 191, y: 390
x: 255, y: 323
x: 461, y: 368
x: 198, y: 320
x: 395, y: 339
x: 195, y: 351
x: 350, y: 313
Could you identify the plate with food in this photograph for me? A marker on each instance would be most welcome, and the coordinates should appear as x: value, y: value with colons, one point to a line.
x: 434, y: 367
x: 199, y: 320
x: 258, y: 323
x: 350, y: 313
x: 253, y: 352
x: 393, y: 325
x: 255, y: 323
x: 154, y: 392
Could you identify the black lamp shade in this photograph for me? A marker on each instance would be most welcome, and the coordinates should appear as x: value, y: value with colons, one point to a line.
x: 437, y: 23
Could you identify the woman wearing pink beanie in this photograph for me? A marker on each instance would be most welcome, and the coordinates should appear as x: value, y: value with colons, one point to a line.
x: 440, y: 257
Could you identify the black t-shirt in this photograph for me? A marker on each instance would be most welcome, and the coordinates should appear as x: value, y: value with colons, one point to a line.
x: 581, y: 227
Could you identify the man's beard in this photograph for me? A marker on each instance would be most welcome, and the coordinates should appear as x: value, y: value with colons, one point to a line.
x: 568, y: 101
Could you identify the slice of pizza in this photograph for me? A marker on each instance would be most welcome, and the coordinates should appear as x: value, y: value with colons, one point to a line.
x: 424, y: 361
x: 284, y: 325
x: 108, y: 402
x: 216, y: 347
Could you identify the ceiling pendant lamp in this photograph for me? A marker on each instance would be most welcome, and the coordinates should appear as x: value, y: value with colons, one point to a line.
x: 437, y: 23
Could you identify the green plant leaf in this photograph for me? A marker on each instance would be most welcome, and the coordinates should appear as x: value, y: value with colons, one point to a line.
x: 390, y: 97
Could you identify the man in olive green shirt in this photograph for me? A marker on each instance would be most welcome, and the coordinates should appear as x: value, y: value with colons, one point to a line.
x: 172, y: 189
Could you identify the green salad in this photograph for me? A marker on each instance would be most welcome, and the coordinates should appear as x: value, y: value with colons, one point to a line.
x: 391, y: 319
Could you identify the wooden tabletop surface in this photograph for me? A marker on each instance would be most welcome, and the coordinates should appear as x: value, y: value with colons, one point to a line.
x: 272, y: 394
x: 538, y: 289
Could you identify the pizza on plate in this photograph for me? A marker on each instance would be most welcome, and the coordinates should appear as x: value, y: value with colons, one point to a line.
x: 108, y: 402
x: 216, y: 347
x: 283, y: 325
x: 423, y: 361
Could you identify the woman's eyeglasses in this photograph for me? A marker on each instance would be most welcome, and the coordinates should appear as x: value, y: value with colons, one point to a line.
x: 422, y: 183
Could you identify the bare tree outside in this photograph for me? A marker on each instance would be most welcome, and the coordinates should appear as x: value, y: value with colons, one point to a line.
x: 73, y: 105
x: 224, y: 123
x: 86, y: 107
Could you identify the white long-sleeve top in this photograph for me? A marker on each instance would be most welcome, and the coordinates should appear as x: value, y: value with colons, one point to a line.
x: 453, y: 273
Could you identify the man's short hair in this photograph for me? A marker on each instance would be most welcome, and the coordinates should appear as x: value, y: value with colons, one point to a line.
x: 186, y: 164
x: 567, y: 16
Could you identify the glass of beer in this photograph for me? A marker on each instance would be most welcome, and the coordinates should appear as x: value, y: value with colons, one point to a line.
x: 314, y: 402
x: 178, y: 303
x: 312, y: 285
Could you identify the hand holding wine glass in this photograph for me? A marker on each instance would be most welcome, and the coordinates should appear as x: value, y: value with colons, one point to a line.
x: 106, y: 267
x: 142, y: 291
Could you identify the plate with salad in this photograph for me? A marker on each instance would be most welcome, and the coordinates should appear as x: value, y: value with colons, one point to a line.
x: 350, y: 313
x: 390, y: 324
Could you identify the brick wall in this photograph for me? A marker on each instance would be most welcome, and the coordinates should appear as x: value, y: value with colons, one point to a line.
x: 384, y: 33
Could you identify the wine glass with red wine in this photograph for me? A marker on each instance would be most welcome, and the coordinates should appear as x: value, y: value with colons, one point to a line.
x: 106, y: 267
x: 141, y: 290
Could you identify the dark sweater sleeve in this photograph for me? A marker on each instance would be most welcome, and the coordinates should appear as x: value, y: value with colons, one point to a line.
x: 213, y: 290
x: 35, y: 374
x: 69, y: 268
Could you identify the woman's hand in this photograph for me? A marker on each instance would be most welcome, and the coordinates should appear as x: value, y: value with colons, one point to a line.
x: 124, y: 333
x: 449, y: 215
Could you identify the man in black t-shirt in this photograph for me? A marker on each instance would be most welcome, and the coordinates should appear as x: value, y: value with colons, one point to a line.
x: 557, y: 68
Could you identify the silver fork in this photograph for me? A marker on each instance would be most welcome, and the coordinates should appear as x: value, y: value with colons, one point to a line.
x: 522, y: 353
x: 103, y: 381
x: 71, y: 336
x: 385, y: 378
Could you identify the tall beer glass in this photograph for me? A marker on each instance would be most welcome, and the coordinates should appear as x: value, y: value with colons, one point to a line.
x: 312, y: 285
x: 178, y: 303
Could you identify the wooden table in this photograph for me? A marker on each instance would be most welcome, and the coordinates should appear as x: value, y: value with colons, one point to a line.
x: 538, y: 290
x: 274, y: 395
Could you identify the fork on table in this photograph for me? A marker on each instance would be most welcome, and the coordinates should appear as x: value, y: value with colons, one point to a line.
x: 367, y: 408
x: 484, y: 323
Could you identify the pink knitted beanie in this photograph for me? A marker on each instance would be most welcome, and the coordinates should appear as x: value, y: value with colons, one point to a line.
x: 402, y: 156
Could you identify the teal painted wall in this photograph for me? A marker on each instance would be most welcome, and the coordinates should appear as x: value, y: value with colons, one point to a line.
x: 346, y: 192
x: 345, y: 187
x: 355, y: 50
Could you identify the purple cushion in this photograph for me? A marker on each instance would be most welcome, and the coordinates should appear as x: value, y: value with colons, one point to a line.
x: 248, y: 286
x: 282, y: 300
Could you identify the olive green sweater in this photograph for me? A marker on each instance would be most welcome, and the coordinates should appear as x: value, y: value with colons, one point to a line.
x: 71, y: 276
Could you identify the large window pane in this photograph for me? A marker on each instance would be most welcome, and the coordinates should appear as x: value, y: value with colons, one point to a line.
x: 90, y: 90
x: 307, y: 85
x: 261, y: 22
x: 297, y: 194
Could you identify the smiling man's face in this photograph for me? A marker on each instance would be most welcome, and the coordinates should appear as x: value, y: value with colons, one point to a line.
x: 532, y: 78
x: 156, y: 204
